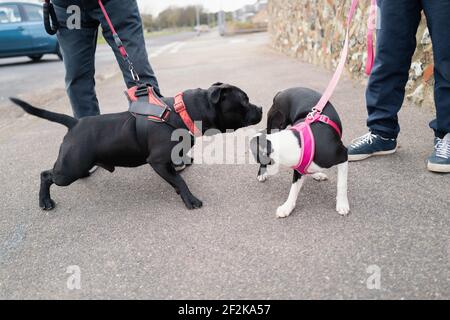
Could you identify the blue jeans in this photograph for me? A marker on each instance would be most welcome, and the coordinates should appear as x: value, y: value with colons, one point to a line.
x: 396, y: 43
x: 79, y: 46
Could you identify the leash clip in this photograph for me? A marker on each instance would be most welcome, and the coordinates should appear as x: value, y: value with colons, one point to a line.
x: 134, y: 74
x: 312, y: 115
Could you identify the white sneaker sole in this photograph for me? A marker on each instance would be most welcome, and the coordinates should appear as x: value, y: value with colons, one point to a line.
x: 439, y: 168
x: 360, y: 157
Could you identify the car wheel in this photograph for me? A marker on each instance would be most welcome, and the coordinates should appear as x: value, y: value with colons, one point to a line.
x: 36, y: 57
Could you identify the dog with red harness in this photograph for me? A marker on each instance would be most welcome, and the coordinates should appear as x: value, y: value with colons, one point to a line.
x: 143, y: 135
x: 310, y: 146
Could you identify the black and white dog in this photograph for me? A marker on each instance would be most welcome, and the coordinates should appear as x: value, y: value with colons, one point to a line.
x: 284, y: 147
x: 111, y: 140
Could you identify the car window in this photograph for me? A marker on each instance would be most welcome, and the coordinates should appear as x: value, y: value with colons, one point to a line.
x: 9, y: 13
x: 34, y: 13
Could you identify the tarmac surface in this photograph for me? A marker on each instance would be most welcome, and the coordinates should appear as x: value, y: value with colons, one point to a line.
x: 130, y: 236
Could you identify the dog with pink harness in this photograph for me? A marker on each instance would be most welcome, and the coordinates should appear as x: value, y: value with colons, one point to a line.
x: 310, y: 146
x: 313, y: 143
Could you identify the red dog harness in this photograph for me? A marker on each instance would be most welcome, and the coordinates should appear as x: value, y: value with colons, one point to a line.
x: 144, y: 102
x: 307, y: 139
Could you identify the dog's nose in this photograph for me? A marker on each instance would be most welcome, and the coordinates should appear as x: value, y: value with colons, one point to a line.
x: 260, y: 109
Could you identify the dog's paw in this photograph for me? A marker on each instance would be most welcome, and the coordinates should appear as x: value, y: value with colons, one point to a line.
x: 197, y: 203
x: 319, y: 176
x: 284, y: 211
x: 263, y: 177
x: 47, y: 204
x: 193, y: 203
x: 342, y: 207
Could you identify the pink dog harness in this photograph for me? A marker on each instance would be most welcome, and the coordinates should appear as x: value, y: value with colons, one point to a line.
x: 304, y: 128
x: 307, y: 139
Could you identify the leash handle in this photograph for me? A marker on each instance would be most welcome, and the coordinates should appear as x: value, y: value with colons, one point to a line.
x: 119, y: 44
x: 50, y: 20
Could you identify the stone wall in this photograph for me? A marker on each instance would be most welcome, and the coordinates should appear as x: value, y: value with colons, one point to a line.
x: 314, y: 31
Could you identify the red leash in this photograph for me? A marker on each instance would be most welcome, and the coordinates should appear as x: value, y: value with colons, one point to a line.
x: 179, y: 105
x: 119, y: 43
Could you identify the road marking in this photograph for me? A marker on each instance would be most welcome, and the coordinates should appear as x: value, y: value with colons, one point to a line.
x: 162, y: 49
x: 177, y: 47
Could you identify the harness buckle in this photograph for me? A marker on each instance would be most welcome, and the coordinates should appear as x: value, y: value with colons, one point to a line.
x: 141, y: 91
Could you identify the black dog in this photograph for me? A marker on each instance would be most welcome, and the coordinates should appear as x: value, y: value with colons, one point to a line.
x: 111, y: 140
x: 291, y: 107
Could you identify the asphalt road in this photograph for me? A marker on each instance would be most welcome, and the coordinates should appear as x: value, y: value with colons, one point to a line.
x: 131, y: 236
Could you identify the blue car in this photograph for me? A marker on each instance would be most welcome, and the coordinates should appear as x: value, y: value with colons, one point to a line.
x: 22, y: 32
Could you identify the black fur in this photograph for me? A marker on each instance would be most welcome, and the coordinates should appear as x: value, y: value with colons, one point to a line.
x: 63, y: 119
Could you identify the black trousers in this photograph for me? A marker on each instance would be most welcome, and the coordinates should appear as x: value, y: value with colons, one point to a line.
x: 79, y: 46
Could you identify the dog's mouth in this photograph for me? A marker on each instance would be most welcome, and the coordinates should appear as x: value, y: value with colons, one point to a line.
x: 255, y: 116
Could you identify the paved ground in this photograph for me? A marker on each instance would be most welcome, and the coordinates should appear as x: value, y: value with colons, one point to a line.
x: 131, y: 236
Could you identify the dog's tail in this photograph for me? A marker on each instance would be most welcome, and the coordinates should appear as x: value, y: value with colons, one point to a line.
x: 63, y: 119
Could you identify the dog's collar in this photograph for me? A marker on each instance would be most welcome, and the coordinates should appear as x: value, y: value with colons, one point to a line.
x: 308, y: 144
x: 180, y: 108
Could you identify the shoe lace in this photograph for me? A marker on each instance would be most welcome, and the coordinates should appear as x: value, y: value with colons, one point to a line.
x: 443, y: 148
x: 367, y: 138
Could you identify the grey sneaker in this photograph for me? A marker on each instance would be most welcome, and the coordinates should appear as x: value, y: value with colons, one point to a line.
x: 371, y: 145
x: 440, y: 159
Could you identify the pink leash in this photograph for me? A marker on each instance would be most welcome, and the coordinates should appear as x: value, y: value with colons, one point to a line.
x: 340, y: 68
x: 304, y: 128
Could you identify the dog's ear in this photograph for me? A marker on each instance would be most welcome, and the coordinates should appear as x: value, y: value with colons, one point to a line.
x: 217, y: 84
x: 261, y: 149
x: 276, y: 120
x: 216, y: 92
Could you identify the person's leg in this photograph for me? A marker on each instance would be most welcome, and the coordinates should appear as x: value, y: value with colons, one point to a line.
x: 127, y: 21
x: 78, y: 49
x: 396, y: 43
x: 438, y: 13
